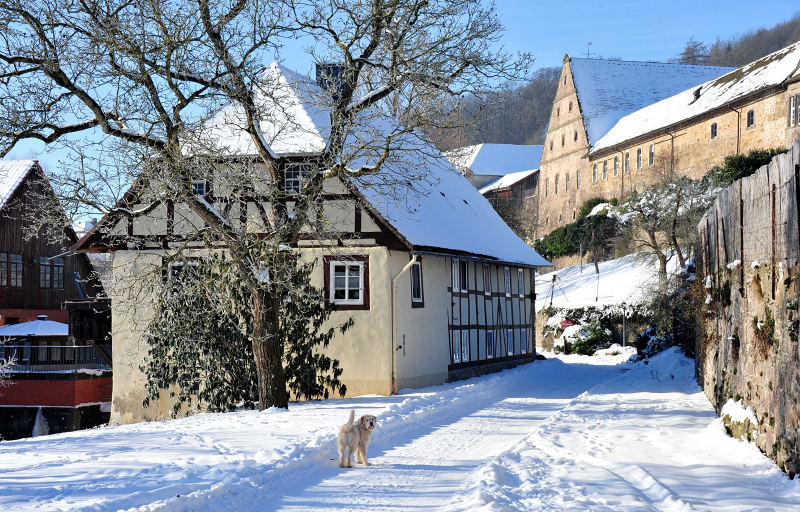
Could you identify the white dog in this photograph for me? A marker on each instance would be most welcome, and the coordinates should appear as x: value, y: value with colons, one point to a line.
x: 354, y: 437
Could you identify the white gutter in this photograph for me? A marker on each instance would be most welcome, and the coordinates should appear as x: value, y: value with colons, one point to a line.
x: 394, y: 347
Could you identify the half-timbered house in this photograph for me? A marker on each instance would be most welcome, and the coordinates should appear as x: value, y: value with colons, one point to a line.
x: 438, y: 286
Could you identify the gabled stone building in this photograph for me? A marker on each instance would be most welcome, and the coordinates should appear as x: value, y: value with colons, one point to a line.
x: 592, y: 96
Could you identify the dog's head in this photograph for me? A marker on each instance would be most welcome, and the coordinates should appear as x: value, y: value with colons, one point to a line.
x: 368, y: 421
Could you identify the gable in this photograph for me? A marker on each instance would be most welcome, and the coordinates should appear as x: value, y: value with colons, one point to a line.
x: 12, y: 173
x: 496, y: 159
x: 608, y: 90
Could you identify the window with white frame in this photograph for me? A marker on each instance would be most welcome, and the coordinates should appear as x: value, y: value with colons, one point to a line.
x: 521, y: 282
x: 464, y: 346
x: 489, y: 344
x: 460, y: 346
x: 566, y: 182
x: 651, y: 159
x: 605, y: 170
x: 578, y: 179
x: 510, y: 341
x: 523, y: 342
x: 628, y: 162
x: 616, y: 166
x: 792, y: 111
x: 462, y: 278
x: 456, y: 285
x: 751, y: 118
x: 546, y: 187
x: 295, y: 176
x: 487, y: 280
x: 44, y: 272
x: 456, y: 346
x: 594, y: 173
x: 713, y: 130
x: 639, y: 158
x: 347, y: 282
x: 507, y: 273
x: 416, y: 282
x: 200, y: 186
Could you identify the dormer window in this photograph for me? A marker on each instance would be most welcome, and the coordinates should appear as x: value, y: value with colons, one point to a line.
x: 296, y: 176
x: 200, y: 186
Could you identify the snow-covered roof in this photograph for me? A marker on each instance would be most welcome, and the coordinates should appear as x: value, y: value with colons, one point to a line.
x: 608, y: 90
x: 507, y: 181
x: 34, y: 328
x: 763, y: 73
x: 497, y: 159
x: 12, y: 172
x: 447, y: 214
x: 292, y: 123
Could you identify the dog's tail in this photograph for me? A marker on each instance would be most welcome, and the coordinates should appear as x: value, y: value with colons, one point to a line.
x: 352, y: 417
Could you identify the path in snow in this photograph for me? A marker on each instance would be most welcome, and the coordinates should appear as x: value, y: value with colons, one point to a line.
x: 569, y: 433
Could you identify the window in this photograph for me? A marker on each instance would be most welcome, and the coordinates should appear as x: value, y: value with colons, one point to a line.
x: 487, y: 280
x: 751, y: 118
x: 523, y: 345
x: 347, y: 282
x: 570, y: 109
x: 3, y: 269
x: 560, y: 217
x: 546, y: 187
x: 605, y: 170
x: 627, y: 162
x: 459, y: 275
x: 551, y: 144
x: 575, y: 137
x: 566, y: 182
x: 416, y: 283
x: 652, y: 156
x: 296, y: 175
x: 594, y: 173
x: 797, y: 111
x: 521, y: 282
x: 58, y: 273
x: 639, y: 158
x: 507, y: 273
x: 792, y: 111
x: 565, y: 79
x: 616, y: 166
x: 15, y: 276
x: 713, y: 130
x: 557, y: 184
x: 465, y: 346
x: 489, y: 344
x: 199, y: 186
x: 558, y: 112
x: 578, y: 178
x: 510, y: 340
x: 563, y: 138
x: 456, y: 346
x: 44, y: 272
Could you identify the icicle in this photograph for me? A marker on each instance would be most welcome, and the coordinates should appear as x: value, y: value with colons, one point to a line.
x: 40, y: 428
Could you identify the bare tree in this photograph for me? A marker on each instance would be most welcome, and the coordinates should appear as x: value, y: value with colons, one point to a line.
x: 133, y: 89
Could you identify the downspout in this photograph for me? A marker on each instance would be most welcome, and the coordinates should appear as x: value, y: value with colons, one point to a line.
x: 738, y: 124
x: 393, y: 337
x: 671, y: 152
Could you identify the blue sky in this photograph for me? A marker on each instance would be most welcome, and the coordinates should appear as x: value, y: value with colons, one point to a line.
x: 633, y: 30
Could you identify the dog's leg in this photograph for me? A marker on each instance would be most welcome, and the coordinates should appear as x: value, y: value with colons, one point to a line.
x: 341, y: 456
x: 349, y: 457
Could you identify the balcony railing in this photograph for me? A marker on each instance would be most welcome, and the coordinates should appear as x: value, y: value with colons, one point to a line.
x: 49, y: 358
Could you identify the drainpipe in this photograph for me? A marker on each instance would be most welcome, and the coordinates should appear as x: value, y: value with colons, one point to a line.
x: 393, y: 337
x: 738, y: 124
x: 671, y: 152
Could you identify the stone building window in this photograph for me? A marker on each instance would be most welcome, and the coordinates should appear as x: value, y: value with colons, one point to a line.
x: 557, y: 184
x: 575, y: 137
x: 652, y: 155
x: 558, y: 112
x: 551, y: 144
x: 639, y: 158
x: 713, y: 130
x: 566, y: 182
x: 616, y: 166
x: 573, y: 214
x: 627, y: 162
x: 605, y: 170
x: 578, y: 179
x: 594, y: 173
x: 570, y: 107
x: 751, y: 118
x: 559, y: 218
x: 563, y: 137
x: 546, y: 187
x: 792, y: 103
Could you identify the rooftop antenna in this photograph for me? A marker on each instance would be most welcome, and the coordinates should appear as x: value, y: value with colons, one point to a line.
x: 588, y: 52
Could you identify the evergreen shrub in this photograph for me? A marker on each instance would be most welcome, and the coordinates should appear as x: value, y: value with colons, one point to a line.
x: 736, y: 167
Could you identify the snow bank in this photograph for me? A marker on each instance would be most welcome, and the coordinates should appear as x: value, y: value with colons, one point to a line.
x: 738, y: 413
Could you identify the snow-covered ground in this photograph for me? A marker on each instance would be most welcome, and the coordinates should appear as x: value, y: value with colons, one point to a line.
x: 560, y: 434
x: 620, y: 280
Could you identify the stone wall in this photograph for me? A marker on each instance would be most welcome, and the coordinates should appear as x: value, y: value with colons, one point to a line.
x: 747, y: 290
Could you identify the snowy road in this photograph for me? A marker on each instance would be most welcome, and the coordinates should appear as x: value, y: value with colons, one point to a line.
x: 569, y: 433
